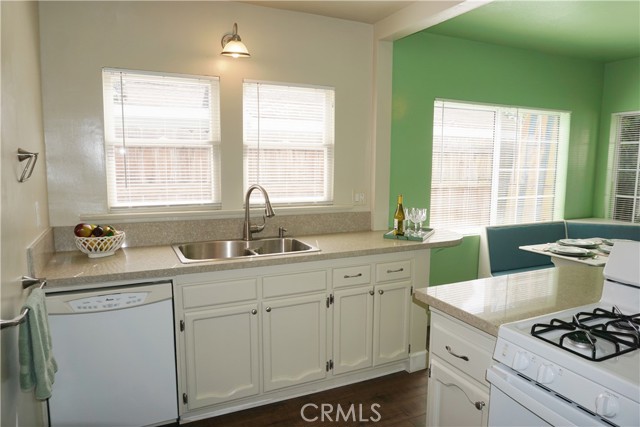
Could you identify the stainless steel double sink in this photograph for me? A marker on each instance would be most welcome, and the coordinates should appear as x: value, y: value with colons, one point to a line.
x: 232, y: 249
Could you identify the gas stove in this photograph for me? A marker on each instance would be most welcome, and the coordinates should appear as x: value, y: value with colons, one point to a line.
x: 586, y: 360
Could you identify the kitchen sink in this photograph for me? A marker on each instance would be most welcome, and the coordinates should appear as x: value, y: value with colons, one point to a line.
x: 232, y: 249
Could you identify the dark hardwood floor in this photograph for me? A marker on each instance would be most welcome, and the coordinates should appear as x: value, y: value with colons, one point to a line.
x: 396, y: 400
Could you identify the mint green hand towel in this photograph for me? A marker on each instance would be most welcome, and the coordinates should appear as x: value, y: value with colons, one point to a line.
x: 37, y: 364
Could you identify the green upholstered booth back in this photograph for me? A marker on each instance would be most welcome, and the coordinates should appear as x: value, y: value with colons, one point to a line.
x: 585, y: 230
x: 503, y: 243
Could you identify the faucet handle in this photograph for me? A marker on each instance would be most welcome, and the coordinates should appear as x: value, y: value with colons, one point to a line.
x: 281, y: 231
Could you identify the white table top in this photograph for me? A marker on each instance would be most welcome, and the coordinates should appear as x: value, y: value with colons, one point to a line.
x: 599, y: 258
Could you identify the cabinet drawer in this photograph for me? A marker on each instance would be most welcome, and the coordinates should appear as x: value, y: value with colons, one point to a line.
x: 228, y: 291
x: 389, y: 271
x: 349, y: 276
x: 293, y: 284
x: 463, y: 347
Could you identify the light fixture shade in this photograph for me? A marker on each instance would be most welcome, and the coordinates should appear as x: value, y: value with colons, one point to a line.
x: 236, y: 49
x: 232, y: 45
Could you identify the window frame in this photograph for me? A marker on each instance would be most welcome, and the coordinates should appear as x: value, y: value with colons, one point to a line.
x: 614, y: 149
x: 493, y: 199
x: 111, y: 141
x: 327, y: 147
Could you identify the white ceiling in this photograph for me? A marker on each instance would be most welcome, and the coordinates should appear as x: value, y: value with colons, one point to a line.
x: 365, y: 11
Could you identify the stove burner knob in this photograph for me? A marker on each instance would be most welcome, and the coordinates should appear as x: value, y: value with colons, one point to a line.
x: 546, y: 373
x: 521, y: 361
x: 607, y: 405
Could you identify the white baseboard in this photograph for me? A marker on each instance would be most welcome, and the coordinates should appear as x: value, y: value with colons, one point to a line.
x: 418, y: 360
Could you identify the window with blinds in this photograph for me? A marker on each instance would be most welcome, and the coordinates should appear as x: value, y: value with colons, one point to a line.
x: 625, y: 203
x: 496, y: 165
x: 289, y: 142
x: 162, y: 139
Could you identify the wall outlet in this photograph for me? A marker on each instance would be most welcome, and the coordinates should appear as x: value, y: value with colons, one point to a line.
x: 358, y: 198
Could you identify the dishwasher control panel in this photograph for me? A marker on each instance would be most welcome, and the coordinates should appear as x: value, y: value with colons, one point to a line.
x: 108, y: 302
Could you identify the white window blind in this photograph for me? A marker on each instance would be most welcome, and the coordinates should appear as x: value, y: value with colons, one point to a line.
x: 162, y: 138
x: 625, y: 203
x: 495, y: 165
x: 289, y: 142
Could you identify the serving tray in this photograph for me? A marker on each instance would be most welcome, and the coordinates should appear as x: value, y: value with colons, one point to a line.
x: 426, y: 230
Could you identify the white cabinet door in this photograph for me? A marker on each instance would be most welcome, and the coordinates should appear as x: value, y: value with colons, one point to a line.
x: 391, y: 322
x: 222, y: 354
x: 352, y: 329
x: 454, y: 399
x: 294, y: 334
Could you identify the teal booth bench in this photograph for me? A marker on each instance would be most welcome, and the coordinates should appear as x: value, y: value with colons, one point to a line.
x: 504, y: 241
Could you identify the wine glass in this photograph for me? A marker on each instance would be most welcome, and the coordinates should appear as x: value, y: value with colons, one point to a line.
x: 421, y: 216
x: 410, y: 215
x: 416, y: 219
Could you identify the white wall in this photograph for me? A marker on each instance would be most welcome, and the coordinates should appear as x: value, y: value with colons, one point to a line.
x: 79, y: 38
x: 23, y: 205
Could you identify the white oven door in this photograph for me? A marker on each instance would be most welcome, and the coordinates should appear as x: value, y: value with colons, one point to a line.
x: 517, y: 401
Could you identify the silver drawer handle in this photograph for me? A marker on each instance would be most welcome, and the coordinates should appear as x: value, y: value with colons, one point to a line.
x: 465, y: 358
x: 478, y: 404
x: 346, y: 276
x: 395, y: 271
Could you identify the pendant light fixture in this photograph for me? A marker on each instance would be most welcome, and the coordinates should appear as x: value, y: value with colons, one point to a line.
x: 232, y: 45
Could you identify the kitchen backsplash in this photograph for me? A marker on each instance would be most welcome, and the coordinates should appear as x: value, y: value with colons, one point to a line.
x: 166, y: 233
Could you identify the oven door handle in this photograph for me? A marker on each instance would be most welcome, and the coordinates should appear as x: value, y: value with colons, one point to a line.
x: 543, y: 404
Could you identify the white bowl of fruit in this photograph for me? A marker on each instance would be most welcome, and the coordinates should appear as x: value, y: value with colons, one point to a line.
x: 98, y: 240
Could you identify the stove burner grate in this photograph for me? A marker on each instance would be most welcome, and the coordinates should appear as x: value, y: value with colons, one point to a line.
x: 586, y: 328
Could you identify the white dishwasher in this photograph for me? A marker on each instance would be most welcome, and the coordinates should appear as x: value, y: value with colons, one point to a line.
x: 115, y: 350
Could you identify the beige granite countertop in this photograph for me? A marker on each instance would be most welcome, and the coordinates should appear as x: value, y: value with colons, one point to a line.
x: 73, y: 268
x: 488, y: 303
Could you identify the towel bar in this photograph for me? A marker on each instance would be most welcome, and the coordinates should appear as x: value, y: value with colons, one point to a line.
x: 31, y: 158
x: 26, y: 283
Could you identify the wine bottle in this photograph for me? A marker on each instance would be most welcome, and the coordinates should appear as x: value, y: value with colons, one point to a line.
x: 398, y: 218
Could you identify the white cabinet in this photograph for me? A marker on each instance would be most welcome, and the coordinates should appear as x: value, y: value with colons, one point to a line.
x: 294, y: 328
x: 353, y: 329
x: 391, y: 322
x: 294, y: 333
x: 371, y: 323
x: 454, y: 399
x: 460, y: 355
x: 260, y: 335
x: 222, y: 354
x: 221, y: 341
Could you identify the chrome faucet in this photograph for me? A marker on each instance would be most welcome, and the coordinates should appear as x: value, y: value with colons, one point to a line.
x: 248, y: 228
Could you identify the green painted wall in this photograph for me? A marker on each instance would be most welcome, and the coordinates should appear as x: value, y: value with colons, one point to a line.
x: 621, y: 94
x: 455, y: 264
x: 428, y: 66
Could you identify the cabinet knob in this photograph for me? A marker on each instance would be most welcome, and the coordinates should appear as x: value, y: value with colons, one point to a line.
x: 268, y: 309
x: 479, y: 405
x: 381, y: 292
x: 254, y: 311
x: 371, y: 292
